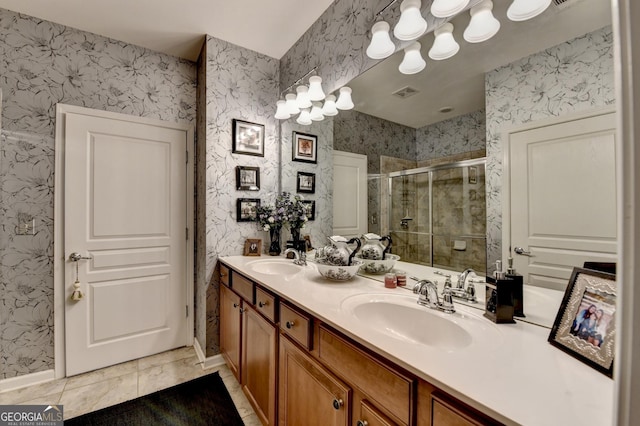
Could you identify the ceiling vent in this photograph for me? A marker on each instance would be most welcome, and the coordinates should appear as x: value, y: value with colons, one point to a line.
x: 562, y: 4
x: 405, y: 92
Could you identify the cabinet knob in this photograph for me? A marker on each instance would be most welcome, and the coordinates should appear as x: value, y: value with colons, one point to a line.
x: 362, y: 423
x: 290, y: 324
x: 235, y: 305
x: 242, y: 310
x: 338, y: 403
x: 263, y: 304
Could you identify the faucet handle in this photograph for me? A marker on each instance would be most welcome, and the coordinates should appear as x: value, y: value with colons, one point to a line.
x: 471, y: 292
x: 447, y: 301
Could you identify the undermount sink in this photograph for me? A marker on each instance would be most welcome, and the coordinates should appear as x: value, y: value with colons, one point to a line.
x: 400, y: 317
x: 274, y: 267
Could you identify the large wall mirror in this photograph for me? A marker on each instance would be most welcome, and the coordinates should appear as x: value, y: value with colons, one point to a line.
x: 435, y: 137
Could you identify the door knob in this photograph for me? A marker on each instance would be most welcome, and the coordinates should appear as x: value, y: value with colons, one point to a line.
x: 75, y: 256
x: 521, y: 251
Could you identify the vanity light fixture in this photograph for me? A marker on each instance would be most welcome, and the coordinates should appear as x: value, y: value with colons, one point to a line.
x: 344, y: 101
x: 304, y: 118
x: 292, y: 105
x: 329, y: 108
x: 521, y: 10
x: 316, y: 112
x: 411, y: 24
x: 483, y: 25
x: 413, y: 62
x: 446, y: 8
x: 381, y: 45
x: 444, y: 45
x: 302, y: 98
x: 315, y: 88
x: 282, y: 113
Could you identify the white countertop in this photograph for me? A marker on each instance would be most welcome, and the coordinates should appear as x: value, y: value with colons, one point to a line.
x: 510, y: 371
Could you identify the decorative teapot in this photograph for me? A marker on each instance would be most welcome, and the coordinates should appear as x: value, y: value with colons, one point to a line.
x: 373, y: 249
x: 338, y: 251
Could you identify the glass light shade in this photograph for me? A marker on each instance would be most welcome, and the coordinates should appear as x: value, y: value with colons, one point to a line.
x: 344, y: 101
x: 316, y: 112
x: 302, y: 98
x: 315, y: 88
x: 483, y: 25
x: 521, y: 10
x: 281, y: 112
x: 304, y: 118
x: 411, y: 24
x: 381, y: 45
x: 444, y: 45
x: 329, y: 108
x: 412, y: 62
x: 292, y: 105
x: 446, y: 8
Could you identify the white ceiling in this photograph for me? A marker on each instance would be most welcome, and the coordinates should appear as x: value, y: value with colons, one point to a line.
x: 177, y: 27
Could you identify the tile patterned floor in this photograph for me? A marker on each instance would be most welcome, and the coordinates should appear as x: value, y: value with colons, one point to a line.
x: 112, y: 385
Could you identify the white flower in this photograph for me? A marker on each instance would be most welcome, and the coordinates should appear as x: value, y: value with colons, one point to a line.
x: 265, y: 228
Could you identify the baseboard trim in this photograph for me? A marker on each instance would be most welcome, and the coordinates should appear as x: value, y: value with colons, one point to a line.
x: 14, y: 383
x: 210, y: 362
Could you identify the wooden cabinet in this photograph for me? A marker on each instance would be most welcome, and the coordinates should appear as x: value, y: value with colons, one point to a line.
x: 370, y: 416
x: 230, y: 324
x: 309, y: 394
x: 446, y: 411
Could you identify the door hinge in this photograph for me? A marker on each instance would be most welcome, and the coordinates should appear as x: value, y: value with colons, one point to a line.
x: 187, y: 310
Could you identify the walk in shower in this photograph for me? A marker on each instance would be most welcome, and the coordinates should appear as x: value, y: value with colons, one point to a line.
x: 437, y: 215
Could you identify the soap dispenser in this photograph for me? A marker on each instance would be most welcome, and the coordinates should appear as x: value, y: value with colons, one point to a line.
x: 518, y: 289
x: 499, y: 297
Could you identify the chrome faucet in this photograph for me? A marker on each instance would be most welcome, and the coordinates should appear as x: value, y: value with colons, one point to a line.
x: 463, y: 277
x: 299, y: 256
x: 468, y: 293
x: 428, y: 296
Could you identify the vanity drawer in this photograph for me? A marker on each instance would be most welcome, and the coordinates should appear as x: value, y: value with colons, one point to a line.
x: 224, y: 274
x: 385, y: 387
x: 296, y: 325
x: 266, y: 304
x: 243, y: 286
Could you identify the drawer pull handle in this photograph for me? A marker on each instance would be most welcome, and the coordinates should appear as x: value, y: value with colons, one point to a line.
x: 235, y: 305
x: 338, y: 403
x: 362, y: 423
x: 263, y: 304
x: 242, y: 310
x: 290, y: 324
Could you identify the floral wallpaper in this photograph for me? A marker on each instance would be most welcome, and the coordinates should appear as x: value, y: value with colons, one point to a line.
x: 572, y: 76
x: 456, y: 135
x: 41, y: 64
x: 240, y: 84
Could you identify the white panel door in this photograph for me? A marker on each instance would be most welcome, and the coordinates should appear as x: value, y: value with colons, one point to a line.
x: 562, y: 198
x: 125, y: 210
x: 349, y: 194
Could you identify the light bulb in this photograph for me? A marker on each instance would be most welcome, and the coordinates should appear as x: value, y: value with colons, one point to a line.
x: 521, y: 10
x: 344, y: 101
x: 483, y: 25
x: 292, y: 105
x: 304, y: 117
x: 446, y: 8
x: 444, y: 45
x: 315, y: 88
x: 302, y: 97
x: 329, y: 108
x: 413, y: 62
x: 281, y: 112
x: 381, y: 45
x: 316, y: 112
x: 411, y: 24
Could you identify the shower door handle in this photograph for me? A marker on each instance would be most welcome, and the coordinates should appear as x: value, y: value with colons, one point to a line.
x: 521, y: 251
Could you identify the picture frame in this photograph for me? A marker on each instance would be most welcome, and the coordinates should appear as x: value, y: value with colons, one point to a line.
x: 252, y: 247
x: 246, y: 209
x: 247, y: 178
x: 305, y: 148
x: 306, y: 183
x: 310, y: 207
x: 248, y: 138
x: 585, y: 326
x: 473, y: 174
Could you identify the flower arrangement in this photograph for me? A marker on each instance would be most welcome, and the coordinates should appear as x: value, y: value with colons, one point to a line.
x: 287, y: 211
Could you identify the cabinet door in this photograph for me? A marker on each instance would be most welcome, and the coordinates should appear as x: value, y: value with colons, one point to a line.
x: 230, y: 322
x: 259, y: 354
x: 369, y: 416
x: 309, y: 395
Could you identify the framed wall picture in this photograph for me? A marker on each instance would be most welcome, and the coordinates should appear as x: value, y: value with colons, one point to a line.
x: 585, y: 326
x: 310, y: 209
x: 305, y: 147
x: 247, y: 209
x: 247, y: 178
x: 248, y: 138
x: 306, y: 182
x: 473, y: 174
x: 252, y: 247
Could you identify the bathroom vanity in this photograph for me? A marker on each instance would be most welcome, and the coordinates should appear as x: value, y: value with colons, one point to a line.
x: 308, y: 351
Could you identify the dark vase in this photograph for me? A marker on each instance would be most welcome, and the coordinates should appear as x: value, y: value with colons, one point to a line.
x: 298, y: 243
x: 274, y: 247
